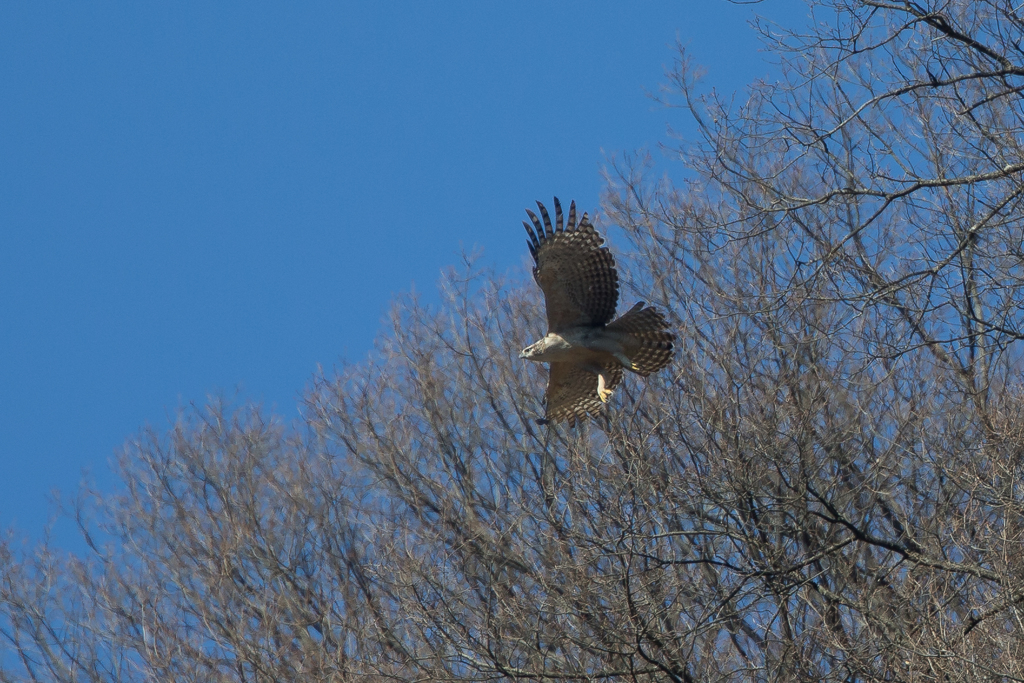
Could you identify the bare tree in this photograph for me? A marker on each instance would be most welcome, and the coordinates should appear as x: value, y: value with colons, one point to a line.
x: 827, y: 486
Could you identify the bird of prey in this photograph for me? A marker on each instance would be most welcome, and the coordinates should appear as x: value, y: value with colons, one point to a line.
x: 585, y: 348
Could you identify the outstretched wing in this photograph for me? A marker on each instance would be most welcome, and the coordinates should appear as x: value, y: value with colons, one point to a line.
x: 576, y: 274
x: 572, y: 391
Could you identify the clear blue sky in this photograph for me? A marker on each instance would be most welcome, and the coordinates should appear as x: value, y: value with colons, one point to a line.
x: 215, y: 197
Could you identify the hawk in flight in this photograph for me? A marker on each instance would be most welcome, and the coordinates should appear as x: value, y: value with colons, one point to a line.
x: 585, y: 348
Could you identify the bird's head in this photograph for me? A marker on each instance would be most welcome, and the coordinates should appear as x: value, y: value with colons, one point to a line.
x: 532, y: 351
x: 549, y: 348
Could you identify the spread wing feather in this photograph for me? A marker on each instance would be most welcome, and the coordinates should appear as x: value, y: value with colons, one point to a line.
x: 576, y: 274
x: 572, y: 391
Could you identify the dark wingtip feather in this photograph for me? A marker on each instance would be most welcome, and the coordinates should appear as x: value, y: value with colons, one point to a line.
x: 558, y: 216
x: 547, y: 219
x: 572, y: 215
x: 536, y: 225
x: 530, y: 232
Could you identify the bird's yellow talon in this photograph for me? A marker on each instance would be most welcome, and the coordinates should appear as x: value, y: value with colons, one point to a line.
x: 602, y: 392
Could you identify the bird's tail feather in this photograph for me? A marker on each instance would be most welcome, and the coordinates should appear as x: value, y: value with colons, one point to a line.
x: 651, y: 349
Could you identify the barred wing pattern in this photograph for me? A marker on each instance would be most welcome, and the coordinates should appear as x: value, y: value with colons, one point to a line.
x: 572, y: 392
x: 576, y: 274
